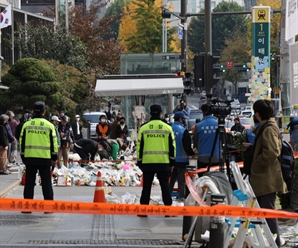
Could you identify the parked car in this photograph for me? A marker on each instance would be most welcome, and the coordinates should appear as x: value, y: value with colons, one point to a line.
x: 246, y: 113
x: 246, y: 122
x: 194, y: 114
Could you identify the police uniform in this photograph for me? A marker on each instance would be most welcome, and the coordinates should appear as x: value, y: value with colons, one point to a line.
x: 156, y: 151
x: 38, y: 148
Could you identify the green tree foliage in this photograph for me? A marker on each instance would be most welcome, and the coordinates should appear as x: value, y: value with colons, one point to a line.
x: 30, y: 80
x: 223, y: 27
x: 236, y: 50
x: 116, y: 10
x: 148, y: 35
x: 41, y: 41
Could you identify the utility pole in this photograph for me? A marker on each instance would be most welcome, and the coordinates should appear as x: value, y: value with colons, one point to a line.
x: 284, y: 64
x: 184, y: 39
x: 208, y: 46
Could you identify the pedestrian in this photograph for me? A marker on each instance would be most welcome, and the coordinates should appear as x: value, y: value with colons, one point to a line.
x: 156, y: 151
x: 77, y: 129
x: 293, y: 128
x: 4, y: 143
x: 38, y: 148
x: 66, y: 140
x: 183, y: 107
x: 237, y: 127
x: 167, y: 119
x: 266, y: 177
x: 122, y: 129
x: 13, y: 146
x: 204, y: 137
x: 86, y: 148
x: 113, y: 127
x: 55, y: 120
x: 183, y: 151
x: 26, y: 117
x: 12, y: 140
x: 103, y: 128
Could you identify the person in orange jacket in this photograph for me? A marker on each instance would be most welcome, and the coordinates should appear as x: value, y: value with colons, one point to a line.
x: 103, y: 128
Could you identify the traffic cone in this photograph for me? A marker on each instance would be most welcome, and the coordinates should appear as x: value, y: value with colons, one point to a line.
x: 99, y: 194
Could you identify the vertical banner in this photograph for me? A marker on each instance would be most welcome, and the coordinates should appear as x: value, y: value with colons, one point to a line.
x: 294, y: 73
x: 260, y: 60
x: 291, y: 19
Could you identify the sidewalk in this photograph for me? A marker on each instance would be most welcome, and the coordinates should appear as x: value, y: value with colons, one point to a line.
x: 68, y: 230
x: 61, y: 230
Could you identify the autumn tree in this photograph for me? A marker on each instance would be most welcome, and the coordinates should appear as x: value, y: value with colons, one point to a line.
x: 223, y: 27
x: 116, y: 9
x: 30, y: 80
x: 236, y: 50
x: 141, y: 27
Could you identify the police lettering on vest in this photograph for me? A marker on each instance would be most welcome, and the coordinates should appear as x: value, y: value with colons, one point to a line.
x: 155, y: 135
x: 37, y: 131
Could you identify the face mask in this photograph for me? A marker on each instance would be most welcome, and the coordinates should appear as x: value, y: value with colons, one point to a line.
x: 167, y: 119
x: 103, y: 120
x: 121, y: 122
x: 78, y: 119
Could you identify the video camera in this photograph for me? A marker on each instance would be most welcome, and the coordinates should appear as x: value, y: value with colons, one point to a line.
x: 214, y: 106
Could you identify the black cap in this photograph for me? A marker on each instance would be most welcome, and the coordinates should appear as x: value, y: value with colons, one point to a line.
x: 39, y: 106
x: 155, y: 109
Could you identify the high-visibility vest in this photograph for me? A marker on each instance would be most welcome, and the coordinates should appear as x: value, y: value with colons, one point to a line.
x: 155, y: 135
x: 40, y: 136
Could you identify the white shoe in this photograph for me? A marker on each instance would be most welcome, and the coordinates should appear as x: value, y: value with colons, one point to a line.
x: 282, y: 241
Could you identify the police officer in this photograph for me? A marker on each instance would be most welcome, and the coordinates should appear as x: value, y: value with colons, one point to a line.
x: 204, y: 137
x: 38, y: 148
x: 183, y: 150
x: 156, y: 151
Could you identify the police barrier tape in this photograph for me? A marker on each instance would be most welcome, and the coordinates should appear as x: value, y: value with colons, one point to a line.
x: 28, y: 205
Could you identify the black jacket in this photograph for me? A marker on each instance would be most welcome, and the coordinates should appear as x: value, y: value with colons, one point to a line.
x: 3, y: 136
x: 88, y: 146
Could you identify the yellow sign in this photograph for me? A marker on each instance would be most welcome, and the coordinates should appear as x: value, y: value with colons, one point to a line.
x: 261, y: 14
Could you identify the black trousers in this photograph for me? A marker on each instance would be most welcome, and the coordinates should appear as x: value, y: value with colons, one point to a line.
x: 179, y: 174
x: 163, y: 177
x: 268, y: 201
x: 44, y: 172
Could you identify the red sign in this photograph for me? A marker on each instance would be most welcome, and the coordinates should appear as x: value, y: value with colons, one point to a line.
x: 229, y: 64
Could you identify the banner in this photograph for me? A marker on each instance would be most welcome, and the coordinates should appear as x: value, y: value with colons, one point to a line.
x: 294, y: 72
x: 291, y: 28
x: 5, y: 17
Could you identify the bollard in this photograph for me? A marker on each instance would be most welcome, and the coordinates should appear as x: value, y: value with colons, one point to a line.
x: 217, y: 229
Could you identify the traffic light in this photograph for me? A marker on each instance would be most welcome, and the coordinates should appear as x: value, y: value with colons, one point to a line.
x: 199, y: 72
x: 242, y: 67
x: 166, y: 14
x: 188, y: 83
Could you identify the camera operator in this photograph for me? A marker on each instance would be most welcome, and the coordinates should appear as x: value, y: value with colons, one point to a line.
x: 203, y: 138
x: 182, y: 107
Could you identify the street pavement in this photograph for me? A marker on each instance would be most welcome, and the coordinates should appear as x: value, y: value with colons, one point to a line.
x: 61, y: 230
x: 69, y: 230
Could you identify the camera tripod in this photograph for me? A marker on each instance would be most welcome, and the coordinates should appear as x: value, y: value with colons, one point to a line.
x: 223, y: 154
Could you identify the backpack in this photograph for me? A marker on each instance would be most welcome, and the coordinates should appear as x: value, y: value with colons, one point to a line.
x: 286, y: 159
x: 288, y: 163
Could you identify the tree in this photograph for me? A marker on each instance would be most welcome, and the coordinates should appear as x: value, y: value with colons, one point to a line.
x: 40, y: 40
x: 143, y: 22
x: 238, y: 51
x: 116, y: 9
x: 104, y: 53
x: 30, y: 80
x: 223, y: 28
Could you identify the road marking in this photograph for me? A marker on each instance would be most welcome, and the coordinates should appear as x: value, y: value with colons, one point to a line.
x: 9, y: 188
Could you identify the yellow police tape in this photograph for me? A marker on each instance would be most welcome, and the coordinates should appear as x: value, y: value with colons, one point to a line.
x: 26, y: 205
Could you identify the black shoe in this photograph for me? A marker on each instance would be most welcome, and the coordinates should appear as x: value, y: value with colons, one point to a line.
x: 142, y: 215
x: 23, y: 212
x: 5, y: 172
x: 48, y: 212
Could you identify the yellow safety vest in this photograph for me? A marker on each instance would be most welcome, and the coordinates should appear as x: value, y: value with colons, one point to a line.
x: 38, y: 135
x: 155, y: 135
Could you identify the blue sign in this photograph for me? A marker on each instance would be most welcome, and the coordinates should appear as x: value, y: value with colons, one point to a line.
x: 180, y: 32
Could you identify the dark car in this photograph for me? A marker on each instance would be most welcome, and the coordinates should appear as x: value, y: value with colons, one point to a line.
x: 194, y: 114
